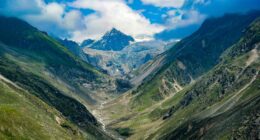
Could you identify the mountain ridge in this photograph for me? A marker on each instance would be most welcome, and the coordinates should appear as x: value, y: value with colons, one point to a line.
x: 113, y: 40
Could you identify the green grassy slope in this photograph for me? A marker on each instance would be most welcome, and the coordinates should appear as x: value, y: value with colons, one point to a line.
x: 61, y: 68
x: 222, y: 104
x: 48, y: 71
x: 191, y: 58
x: 26, y: 117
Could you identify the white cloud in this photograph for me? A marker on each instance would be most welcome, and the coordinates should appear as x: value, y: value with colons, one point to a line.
x: 55, y: 17
x: 72, y: 20
x: 165, y: 3
x: 181, y: 18
x: 113, y: 13
x: 204, y: 2
x: 49, y: 13
x: 50, y: 17
x: 130, y: 1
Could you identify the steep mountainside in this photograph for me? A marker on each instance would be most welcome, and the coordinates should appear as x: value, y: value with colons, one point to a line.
x: 77, y: 49
x: 48, y: 71
x: 221, y: 102
x: 190, y: 58
x: 226, y: 96
x: 113, y: 40
x: 54, y: 62
x: 24, y: 116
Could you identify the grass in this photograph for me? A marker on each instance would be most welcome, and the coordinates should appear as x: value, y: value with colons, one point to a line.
x: 146, y: 96
x: 26, y: 117
x: 124, y: 131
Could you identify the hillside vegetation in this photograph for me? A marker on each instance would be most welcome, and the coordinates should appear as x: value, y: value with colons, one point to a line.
x: 221, y: 102
x: 48, y: 71
x: 191, y: 58
x: 24, y: 116
x: 204, y: 87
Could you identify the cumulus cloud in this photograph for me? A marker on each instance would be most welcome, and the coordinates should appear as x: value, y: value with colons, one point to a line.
x: 114, y: 13
x: 165, y: 3
x: 181, y: 18
x: 67, y: 20
x: 51, y: 17
x: 73, y: 19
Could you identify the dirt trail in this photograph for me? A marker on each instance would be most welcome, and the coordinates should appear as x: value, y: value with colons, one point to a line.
x: 222, y: 107
x: 234, y: 99
x: 9, y: 82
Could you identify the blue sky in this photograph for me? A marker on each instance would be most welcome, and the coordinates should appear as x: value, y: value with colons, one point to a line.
x: 142, y: 19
